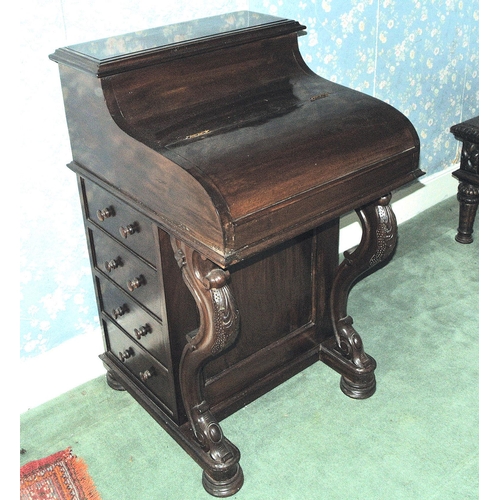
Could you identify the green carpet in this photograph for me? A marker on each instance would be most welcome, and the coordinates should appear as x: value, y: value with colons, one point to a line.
x: 415, y: 439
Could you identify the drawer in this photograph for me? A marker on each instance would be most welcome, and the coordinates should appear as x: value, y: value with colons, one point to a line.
x: 140, y: 325
x: 121, y: 221
x: 130, y: 273
x: 145, y: 369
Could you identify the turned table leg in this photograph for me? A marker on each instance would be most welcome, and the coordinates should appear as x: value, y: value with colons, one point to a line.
x: 346, y: 353
x: 468, y: 176
x: 468, y: 197
x: 219, y: 327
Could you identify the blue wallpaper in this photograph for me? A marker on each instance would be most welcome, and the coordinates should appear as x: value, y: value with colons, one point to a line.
x: 421, y: 56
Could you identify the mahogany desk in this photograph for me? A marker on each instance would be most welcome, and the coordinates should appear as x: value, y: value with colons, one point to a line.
x: 213, y: 167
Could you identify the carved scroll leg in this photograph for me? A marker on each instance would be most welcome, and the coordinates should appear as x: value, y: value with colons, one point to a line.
x: 346, y: 353
x: 219, y: 326
x: 468, y: 197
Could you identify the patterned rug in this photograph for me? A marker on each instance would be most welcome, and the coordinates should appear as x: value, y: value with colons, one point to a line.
x: 62, y: 476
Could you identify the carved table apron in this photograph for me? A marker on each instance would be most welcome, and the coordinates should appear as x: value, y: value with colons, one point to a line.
x: 213, y: 167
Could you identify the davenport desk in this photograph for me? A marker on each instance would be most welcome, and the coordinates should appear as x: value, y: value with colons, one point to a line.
x: 213, y: 166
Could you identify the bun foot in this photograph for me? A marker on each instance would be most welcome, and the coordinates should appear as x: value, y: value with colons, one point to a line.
x: 464, y: 238
x: 223, y: 486
x: 113, y: 383
x: 358, y: 390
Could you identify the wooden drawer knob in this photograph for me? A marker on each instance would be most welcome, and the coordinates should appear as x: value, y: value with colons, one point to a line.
x: 135, y: 283
x: 127, y: 353
x: 147, y: 374
x: 126, y: 231
x: 105, y: 213
x: 142, y: 330
x: 109, y: 265
x: 120, y: 311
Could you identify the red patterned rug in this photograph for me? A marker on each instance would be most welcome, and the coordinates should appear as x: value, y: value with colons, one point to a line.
x: 62, y: 476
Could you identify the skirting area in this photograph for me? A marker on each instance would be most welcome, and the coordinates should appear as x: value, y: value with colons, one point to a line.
x: 416, y: 438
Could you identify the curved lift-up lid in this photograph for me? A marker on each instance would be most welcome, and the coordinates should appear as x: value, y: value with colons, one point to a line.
x: 274, y: 149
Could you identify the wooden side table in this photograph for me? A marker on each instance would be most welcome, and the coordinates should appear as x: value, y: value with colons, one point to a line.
x: 468, y: 174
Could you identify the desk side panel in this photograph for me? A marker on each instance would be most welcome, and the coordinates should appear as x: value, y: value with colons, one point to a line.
x: 282, y: 295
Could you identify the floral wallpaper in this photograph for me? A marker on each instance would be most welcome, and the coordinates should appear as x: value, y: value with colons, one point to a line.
x: 421, y: 56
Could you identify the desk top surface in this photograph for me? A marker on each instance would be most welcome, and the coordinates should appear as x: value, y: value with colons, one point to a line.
x: 173, y: 34
x: 141, y: 48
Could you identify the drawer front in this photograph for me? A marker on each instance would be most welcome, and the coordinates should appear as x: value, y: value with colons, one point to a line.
x: 146, y: 370
x: 140, y: 325
x: 126, y: 270
x: 121, y: 221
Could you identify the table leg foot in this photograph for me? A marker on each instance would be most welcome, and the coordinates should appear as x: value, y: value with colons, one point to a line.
x: 113, y: 382
x: 355, y: 382
x: 225, y: 484
x: 358, y: 389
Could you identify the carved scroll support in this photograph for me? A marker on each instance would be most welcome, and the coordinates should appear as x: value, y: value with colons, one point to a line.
x: 219, y: 327
x: 346, y: 354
